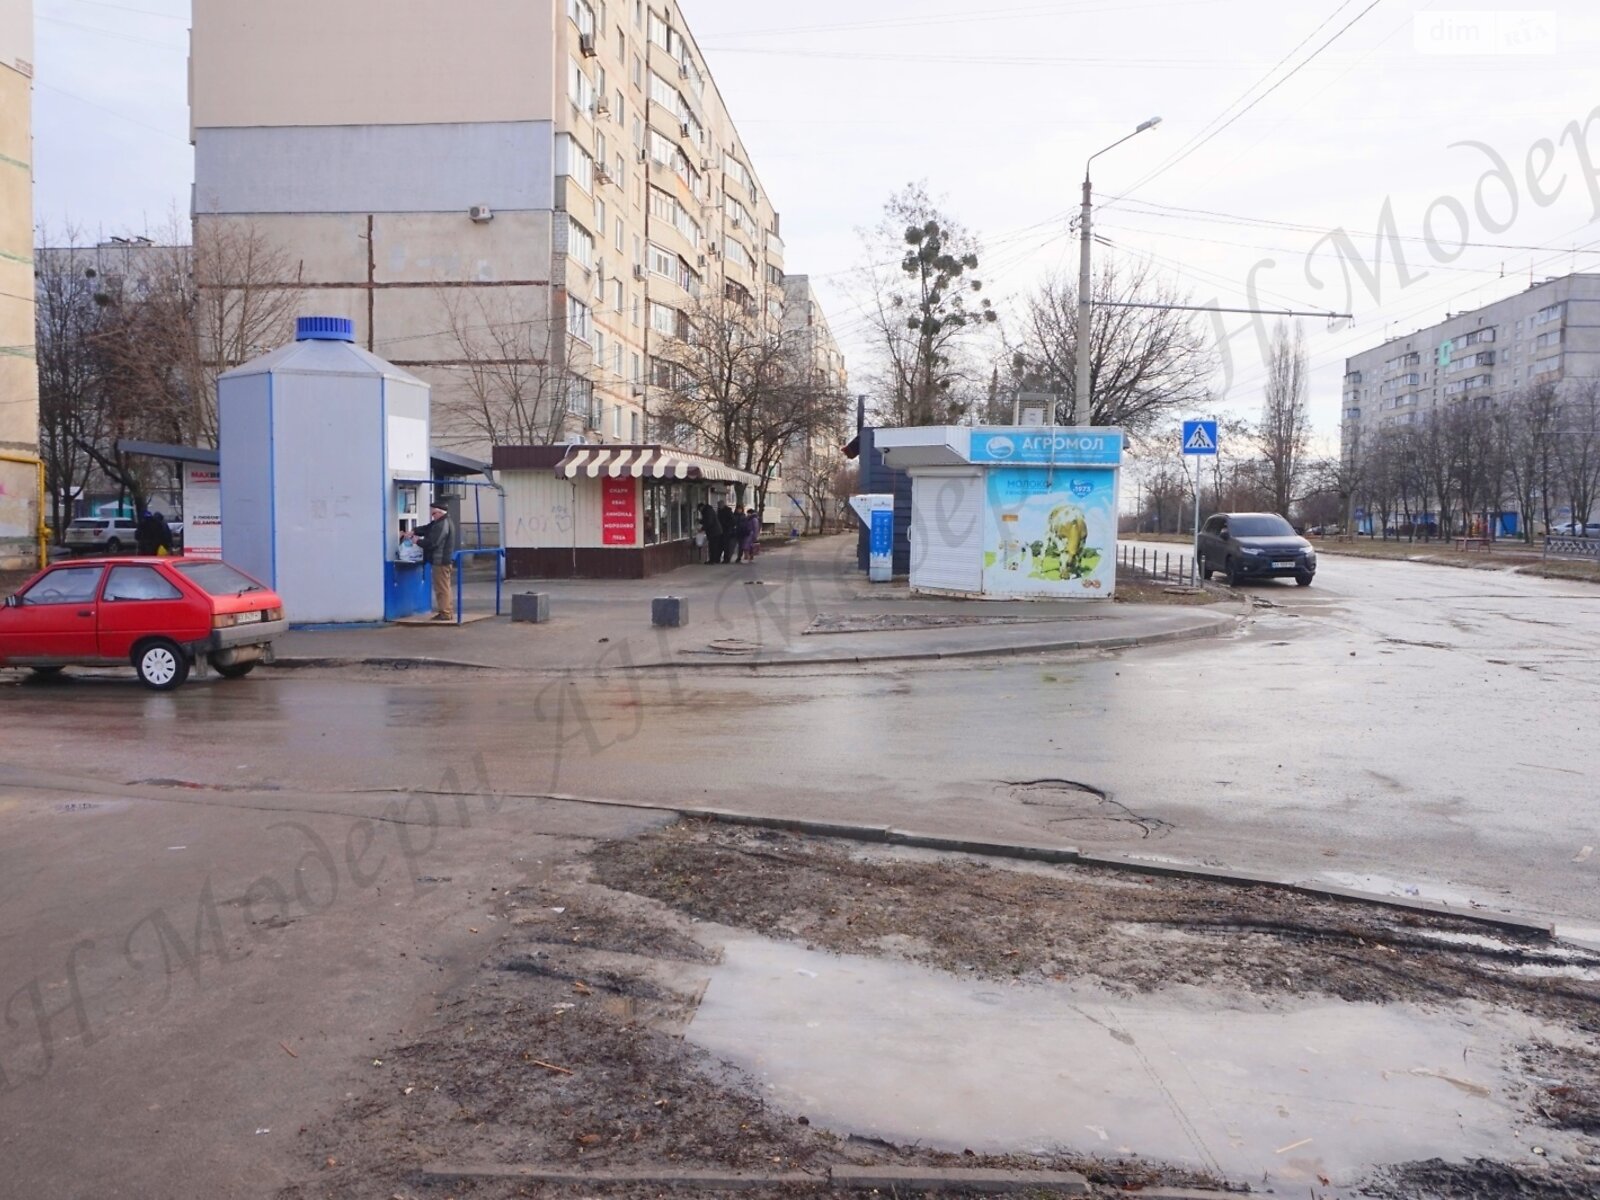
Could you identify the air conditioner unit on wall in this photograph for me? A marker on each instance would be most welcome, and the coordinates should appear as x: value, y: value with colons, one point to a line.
x: 481, y: 213
x: 638, y: 271
x: 586, y: 44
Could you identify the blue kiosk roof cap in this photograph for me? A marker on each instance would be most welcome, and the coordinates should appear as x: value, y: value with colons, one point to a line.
x: 325, y: 329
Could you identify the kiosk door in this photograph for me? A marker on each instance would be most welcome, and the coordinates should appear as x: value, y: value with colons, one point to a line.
x: 947, y: 531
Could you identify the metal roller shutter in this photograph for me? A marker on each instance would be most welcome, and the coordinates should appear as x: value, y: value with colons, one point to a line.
x: 947, y: 532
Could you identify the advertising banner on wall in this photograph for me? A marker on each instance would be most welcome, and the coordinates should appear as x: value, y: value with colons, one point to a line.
x: 619, y: 512
x: 202, y: 511
x: 1050, y: 533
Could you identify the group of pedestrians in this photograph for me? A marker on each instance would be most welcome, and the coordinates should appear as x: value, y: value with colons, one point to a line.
x: 730, y: 535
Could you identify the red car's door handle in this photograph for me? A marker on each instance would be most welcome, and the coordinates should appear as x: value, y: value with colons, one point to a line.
x: 86, y: 612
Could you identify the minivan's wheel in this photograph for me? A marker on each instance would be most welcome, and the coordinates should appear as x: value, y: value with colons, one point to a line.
x: 1230, y: 571
x: 231, y: 670
x: 162, y: 666
x: 1304, y: 579
x: 1205, y: 568
x: 114, y: 546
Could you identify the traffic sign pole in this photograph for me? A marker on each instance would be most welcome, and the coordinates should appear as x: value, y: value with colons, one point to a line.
x: 1198, y: 440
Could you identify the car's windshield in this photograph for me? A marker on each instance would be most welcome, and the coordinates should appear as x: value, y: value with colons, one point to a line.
x: 218, y: 578
x: 1260, y: 526
x: 89, y: 524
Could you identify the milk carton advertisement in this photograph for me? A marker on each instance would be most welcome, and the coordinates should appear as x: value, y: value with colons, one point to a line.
x: 1051, y: 533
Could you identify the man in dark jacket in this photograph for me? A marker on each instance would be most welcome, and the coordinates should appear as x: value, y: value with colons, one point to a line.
x: 728, y: 523
x: 712, y: 528
x: 438, y: 539
x: 153, y: 534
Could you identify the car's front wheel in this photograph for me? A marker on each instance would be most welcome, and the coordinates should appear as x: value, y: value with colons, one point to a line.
x: 231, y: 670
x: 162, y: 666
x: 1230, y: 571
x: 1304, y: 578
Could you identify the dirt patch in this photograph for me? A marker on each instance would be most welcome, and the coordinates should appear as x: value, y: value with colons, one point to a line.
x: 1135, y: 587
x: 1568, y: 1095
x: 1138, y: 934
x: 1481, y: 1179
x: 899, y: 622
x: 564, y: 1051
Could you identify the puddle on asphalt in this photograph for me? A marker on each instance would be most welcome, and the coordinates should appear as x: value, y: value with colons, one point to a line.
x: 1265, y: 1093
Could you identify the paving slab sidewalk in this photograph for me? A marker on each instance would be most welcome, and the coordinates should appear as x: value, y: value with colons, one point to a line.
x: 795, y: 606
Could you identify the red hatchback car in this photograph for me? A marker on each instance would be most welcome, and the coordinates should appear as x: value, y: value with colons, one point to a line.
x: 160, y: 614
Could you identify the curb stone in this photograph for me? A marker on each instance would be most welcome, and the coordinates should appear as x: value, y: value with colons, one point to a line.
x: 849, y: 1178
x: 1121, y: 642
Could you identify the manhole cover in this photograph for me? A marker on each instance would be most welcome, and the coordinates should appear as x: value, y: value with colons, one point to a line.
x: 1089, y: 812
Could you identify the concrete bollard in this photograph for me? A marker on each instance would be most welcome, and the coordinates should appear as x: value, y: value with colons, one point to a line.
x: 531, y: 607
x: 669, y: 612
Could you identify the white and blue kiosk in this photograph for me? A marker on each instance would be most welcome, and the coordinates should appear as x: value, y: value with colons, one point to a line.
x: 1011, y: 512
x: 325, y: 464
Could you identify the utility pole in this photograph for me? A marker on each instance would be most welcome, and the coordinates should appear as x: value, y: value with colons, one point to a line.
x: 1082, y: 400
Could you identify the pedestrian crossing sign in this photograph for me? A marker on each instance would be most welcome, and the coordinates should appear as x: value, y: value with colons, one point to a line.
x: 1199, y: 437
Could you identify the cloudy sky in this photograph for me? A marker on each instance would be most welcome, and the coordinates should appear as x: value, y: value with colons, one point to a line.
x: 1284, y: 122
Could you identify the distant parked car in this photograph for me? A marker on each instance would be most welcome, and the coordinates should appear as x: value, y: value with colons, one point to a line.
x: 159, y: 614
x: 1254, y: 546
x: 101, y: 535
x: 1575, y: 529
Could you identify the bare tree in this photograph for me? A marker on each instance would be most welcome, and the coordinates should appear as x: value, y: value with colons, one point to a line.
x: 1149, y: 364
x: 1285, y: 419
x: 1578, y: 447
x: 201, y: 310
x: 68, y: 316
x: 924, y: 311
x: 1532, y: 428
x: 742, y: 385
x: 514, y: 386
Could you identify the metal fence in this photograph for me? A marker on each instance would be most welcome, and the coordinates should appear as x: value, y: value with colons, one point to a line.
x: 1160, y: 566
x: 1572, y: 547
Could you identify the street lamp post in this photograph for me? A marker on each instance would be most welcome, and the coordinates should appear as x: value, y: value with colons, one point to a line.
x: 1082, y: 401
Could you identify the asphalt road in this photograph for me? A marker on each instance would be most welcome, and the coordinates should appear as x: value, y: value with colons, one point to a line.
x: 1421, y: 727
x: 1396, y: 726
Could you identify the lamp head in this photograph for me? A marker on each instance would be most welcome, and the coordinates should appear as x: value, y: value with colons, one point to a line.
x: 1150, y: 124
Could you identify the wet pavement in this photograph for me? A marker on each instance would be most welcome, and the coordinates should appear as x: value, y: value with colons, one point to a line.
x: 1430, y: 728
x: 1286, y: 1095
x: 1408, y: 728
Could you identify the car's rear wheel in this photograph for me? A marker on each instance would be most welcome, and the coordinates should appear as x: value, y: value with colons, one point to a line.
x: 162, y: 666
x: 114, y: 546
x: 1304, y: 578
x: 231, y: 670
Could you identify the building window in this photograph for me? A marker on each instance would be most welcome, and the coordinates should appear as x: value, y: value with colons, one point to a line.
x: 634, y: 428
x: 580, y: 244
x: 664, y: 319
x: 579, y: 322
x: 582, y: 16
x: 579, y: 90
x: 573, y: 161
x: 600, y: 348
x: 617, y: 289
x: 1553, y: 313
x: 580, y: 398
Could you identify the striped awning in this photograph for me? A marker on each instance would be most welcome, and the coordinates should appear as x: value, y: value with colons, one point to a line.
x: 648, y: 462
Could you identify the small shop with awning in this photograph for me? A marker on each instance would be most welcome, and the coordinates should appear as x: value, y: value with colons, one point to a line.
x: 609, y: 512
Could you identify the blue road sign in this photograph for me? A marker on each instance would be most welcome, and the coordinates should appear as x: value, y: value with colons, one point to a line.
x: 1199, y: 437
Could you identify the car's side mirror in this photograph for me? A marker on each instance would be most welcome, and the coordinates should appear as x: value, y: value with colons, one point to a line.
x: 1223, y: 534
x: 13, y: 601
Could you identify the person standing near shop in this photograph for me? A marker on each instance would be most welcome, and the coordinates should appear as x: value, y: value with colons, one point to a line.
x: 712, y: 529
x: 152, y: 535
x: 438, y: 540
x: 728, y: 525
